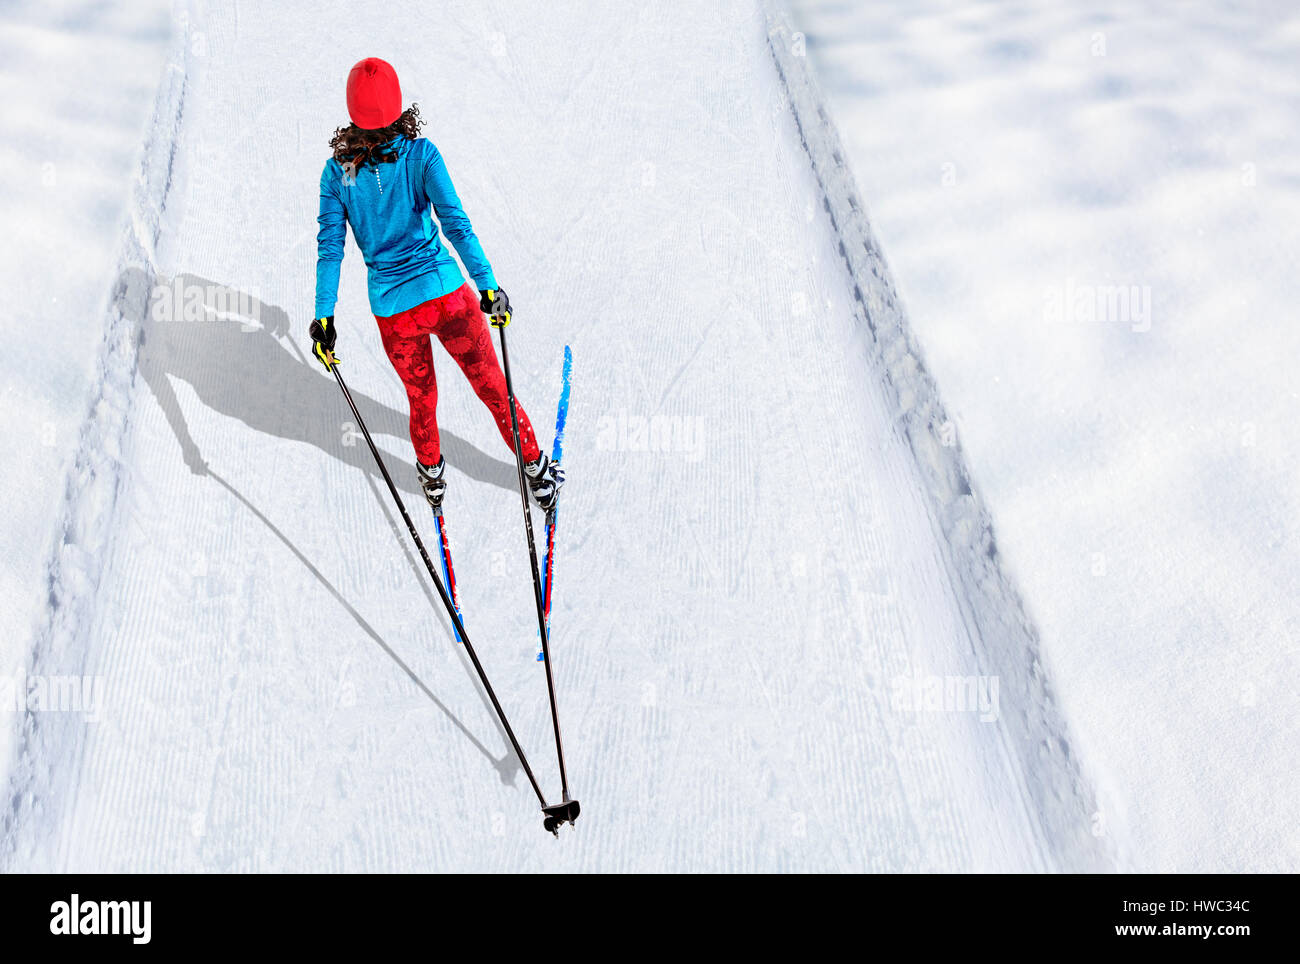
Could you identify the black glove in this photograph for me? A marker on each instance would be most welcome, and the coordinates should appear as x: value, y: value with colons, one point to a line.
x: 496, y: 305
x: 323, y: 333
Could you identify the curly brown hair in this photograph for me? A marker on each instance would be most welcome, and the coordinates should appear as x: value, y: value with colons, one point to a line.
x: 357, y: 147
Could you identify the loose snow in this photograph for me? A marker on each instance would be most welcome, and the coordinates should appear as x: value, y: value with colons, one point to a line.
x: 77, y: 80
x: 785, y: 637
x: 1091, y: 210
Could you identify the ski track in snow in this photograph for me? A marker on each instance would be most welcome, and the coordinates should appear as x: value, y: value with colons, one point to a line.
x: 730, y: 618
x: 49, y: 745
x: 1140, y: 463
x: 1006, y: 643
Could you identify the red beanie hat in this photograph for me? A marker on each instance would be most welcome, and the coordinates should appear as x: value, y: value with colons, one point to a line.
x: 374, y: 97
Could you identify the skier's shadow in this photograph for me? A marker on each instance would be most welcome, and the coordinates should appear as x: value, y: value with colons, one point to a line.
x: 236, y: 363
x: 229, y: 347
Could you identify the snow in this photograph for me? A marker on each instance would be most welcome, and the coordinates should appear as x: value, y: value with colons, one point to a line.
x: 1139, y: 467
x: 73, y: 143
x: 810, y: 613
x: 769, y: 654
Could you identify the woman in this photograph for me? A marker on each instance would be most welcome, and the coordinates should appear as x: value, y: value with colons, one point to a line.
x: 382, y: 180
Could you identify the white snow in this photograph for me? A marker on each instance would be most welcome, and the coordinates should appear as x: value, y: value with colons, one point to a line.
x: 785, y: 636
x: 1140, y: 468
x: 769, y: 653
x: 77, y: 80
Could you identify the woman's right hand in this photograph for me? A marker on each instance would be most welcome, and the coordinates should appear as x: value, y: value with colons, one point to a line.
x: 323, y: 335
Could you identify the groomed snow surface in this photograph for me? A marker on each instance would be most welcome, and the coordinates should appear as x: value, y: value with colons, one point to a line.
x: 785, y: 637
x: 1091, y: 210
x: 78, y: 80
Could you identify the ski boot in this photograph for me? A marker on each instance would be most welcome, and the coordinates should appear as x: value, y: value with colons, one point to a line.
x: 544, y: 480
x: 432, y: 482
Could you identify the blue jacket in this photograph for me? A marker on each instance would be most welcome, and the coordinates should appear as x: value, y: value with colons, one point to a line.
x: 388, y: 208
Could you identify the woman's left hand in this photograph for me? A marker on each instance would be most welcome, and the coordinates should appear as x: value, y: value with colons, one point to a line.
x: 495, y: 305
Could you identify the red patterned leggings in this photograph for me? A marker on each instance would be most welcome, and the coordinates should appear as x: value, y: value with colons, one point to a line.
x: 463, y: 329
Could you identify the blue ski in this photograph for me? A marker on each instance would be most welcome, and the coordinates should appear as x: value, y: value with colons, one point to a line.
x: 557, y: 453
x: 448, y: 573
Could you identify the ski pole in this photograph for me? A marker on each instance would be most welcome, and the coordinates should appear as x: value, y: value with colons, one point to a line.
x: 442, y: 590
x: 537, y: 583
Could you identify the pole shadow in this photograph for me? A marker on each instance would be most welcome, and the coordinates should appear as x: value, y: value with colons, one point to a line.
x: 506, y: 766
x: 229, y: 347
x: 509, y: 765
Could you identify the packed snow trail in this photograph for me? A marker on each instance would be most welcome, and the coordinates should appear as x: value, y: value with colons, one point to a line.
x: 74, y: 131
x: 1138, y: 444
x: 751, y: 571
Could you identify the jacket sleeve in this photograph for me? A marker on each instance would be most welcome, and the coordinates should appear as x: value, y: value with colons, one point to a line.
x: 453, y: 219
x: 329, y: 242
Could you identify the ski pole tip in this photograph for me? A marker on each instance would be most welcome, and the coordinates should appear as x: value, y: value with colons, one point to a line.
x: 559, y: 814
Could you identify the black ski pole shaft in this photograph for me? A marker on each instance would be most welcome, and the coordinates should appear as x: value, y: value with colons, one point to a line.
x: 442, y: 590
x: 532, y: 559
